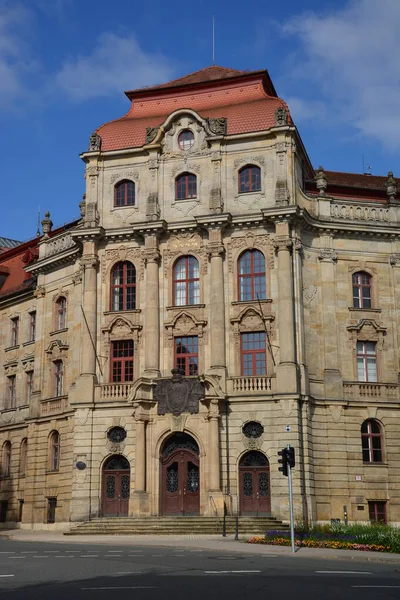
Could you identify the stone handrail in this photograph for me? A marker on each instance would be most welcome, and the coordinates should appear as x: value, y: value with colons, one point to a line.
x: 252, y: 385
x: 354, y: 212
x: 115, y: 391
x: 54, y: 405
x: 357, y: 389
x: 59, y: 244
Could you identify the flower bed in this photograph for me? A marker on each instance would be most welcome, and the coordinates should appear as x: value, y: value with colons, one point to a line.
x: 338, y: 537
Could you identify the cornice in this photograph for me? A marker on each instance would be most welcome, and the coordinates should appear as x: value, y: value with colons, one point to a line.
x: 47, y: 264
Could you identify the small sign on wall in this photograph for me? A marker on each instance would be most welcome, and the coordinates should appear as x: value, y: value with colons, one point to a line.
x: 358, y: 477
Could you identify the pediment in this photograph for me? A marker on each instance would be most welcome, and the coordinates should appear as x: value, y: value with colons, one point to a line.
x: 367, y: 329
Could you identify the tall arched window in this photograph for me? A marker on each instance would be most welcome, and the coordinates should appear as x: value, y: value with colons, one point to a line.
x: 186, y: 281
x: 123, y: 286
x: 371, y: 437
x: 251, y: 273
x: 362, y: 290
x: 124, y: 193
x: 6, y: 459
x: 249, y: 179
x: 54, y: 451
x: 185, y: 186
x: 61, y: 316
x: 23, y: 453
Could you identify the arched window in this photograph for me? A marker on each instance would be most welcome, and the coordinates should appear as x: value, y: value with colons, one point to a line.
x: 123, y: 286
x: 61, y: 316
x: 23, y: 456
x: 362, y: 290
x: 251, y: 274
x: 124, y: 194
x: 249, y: 179
x: 6, y: 459
x: 54, y: 451
x: 186, y: 139
x: 186, y: 281
x: 185, y: 186
x: 371, y: 438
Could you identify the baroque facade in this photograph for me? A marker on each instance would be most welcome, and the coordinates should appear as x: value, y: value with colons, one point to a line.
x: 217, y: 300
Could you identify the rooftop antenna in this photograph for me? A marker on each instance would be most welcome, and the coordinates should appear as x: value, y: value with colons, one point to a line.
x: 213, y: 41
x: 38, y: 223
x: 366, y: 171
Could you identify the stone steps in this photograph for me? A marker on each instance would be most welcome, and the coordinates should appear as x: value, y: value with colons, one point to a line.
x: 174, y: 525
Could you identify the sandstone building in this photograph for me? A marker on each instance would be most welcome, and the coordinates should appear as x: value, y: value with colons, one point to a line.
x: 208, y: 245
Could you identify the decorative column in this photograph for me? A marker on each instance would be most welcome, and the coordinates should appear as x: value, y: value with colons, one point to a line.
x: 140, y: 500
x: 332, y: 374
x: 286, y: 370
x: 140, y: 456
x: 216, y: 253
x: 152, y: 308
x: 216, y: 499
x: 90, y: 263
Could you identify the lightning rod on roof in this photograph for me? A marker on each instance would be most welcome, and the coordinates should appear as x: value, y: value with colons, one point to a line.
x: 213, y: 41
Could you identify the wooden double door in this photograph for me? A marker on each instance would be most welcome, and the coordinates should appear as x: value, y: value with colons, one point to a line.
x: 180, y: 479
x: 254, y: 482
x: 116, y: 487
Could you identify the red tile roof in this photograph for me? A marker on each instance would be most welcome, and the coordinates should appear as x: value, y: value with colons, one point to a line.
x: 247, y: 100
x: 356, y: 186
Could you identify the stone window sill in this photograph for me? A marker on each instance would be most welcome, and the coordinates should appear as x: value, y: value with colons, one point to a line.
x: 57, y: 331
x: 28, y: 343
x: 375, y: 464
x: 255, y: 302
x: 188, y: 306
x: 122, y: 312
x: 11, y: 348
x: 355, y: 309
x: 7, y: 410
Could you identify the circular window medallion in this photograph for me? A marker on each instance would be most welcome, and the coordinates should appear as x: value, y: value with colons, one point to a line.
x: 116, y: 434
x: 186, y: 139
x: 253, y: 429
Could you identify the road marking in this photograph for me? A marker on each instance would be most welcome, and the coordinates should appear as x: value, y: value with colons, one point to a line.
x: 127, y: 572
x: 6, y: 575
x: 375, y: 586
x: 154, y: 555
x: 135, y: 555
x: 29, y: 551
x: 73, y: 551
x: 52, y: 551
x: 7, y: 552
x: 39, y: 556
x: 89, y: 555
x: 64, y: 557
x: 19, y: 557
x: 115, y: 551
x: 133, y: 587
x: 346, y: 572
x: 241, y: 571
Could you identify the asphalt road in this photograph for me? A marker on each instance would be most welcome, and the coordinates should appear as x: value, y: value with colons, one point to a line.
x: 36, y: 570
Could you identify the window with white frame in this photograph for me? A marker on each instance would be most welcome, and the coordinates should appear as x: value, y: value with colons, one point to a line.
x: 366, y: 361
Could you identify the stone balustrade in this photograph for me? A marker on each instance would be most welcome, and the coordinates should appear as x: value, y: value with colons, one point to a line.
x: 59, y: 244
x: 354, y: 212
x: 111, y: 392
x: 356, y: 390
x: 51, y: 406
x: 249, y: 385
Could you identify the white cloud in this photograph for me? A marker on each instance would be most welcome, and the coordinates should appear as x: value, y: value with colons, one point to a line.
x: 352, y: 57
x: 116, y: 64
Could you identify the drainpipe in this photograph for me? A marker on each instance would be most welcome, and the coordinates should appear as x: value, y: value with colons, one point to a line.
x: 228, y: 471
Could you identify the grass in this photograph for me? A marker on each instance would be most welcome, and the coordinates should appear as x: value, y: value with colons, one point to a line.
x: 379, y: 538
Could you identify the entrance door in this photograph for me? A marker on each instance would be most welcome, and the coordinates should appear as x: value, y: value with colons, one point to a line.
x: 116, y: 487
x: 180, y: 478
x: 255, y: 498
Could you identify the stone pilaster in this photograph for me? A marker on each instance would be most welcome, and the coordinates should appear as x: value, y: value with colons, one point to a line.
x: 332, y: 374
x: 213, y: 459
x: 286, y: 371
x: 152, y: 308
x: 216, y: 253
x: 140, y: 500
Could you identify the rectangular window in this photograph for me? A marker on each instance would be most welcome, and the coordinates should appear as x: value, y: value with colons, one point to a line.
x: 187, y: 354
x: 12, y: 391
x: 366, y: 361
x: 32, y: 326
x: 58, y: 378
x: 29, y: 386
x: 253, y: 354
x: 122, y: 361
x: 377, y: 512
x: 51, y: 510
x: 14, y: 331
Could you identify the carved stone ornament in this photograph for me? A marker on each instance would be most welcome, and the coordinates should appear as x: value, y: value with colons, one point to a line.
x: 281, y: 117
x: 94, y: 142
x: 47, y: 224
x: 215, y: 249
x: 391, y: 187
x: 327, y: 255
x: 218, y: 126
x: 321, y: 181
x: 282, y: 242
x: 151, y: 133
x: 281, y: 193
x: 40, y: 291
x: 89, y: 261
x: 82, y: 206
x: 395, y: 259
x: 153, y: 207
x: 178, y: 394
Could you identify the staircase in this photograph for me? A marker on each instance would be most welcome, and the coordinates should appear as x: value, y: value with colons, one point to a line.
x: 175, y: 526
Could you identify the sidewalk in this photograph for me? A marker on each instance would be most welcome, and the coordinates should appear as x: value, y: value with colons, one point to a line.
x: 202, y: 542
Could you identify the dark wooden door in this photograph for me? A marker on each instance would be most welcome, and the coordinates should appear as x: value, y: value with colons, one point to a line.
x: 255, y: 496
x: 116, y: 490
x: 180, y: 481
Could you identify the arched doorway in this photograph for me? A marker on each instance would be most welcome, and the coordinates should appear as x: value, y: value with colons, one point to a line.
x: 116, y: 487
x: 180, y: 477
x: 254, y: 490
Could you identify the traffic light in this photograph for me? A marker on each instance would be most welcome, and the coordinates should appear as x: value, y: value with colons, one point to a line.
x: 290, y: 457
x: 283, y: 461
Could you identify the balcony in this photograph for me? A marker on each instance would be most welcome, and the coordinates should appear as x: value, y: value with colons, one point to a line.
x: 113, y: 392
x: 356, y: 390
x: 52, y: 406
x: 249, y: 385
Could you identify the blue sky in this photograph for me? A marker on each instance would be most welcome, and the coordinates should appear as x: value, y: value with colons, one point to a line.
x: 64, y: 65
